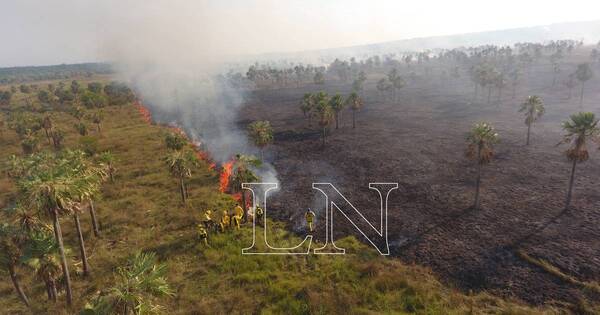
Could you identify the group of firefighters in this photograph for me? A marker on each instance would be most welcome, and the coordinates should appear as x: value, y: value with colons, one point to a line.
x: 234, y: 219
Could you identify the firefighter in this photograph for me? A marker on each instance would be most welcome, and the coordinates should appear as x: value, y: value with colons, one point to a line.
x: 259, y: 212
x: 309, y: 216
x: 207, y: 220
x: 203, y: 234
x: 225, y: 221
x: 238, y: 215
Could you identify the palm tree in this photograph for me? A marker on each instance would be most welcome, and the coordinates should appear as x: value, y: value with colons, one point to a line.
x: 500, y: 83
x: 355, y: 103
x: 137, y: 286
x: 77, y: 112
x: 583, y: 73
x: 54, y: 184
x: 555, y: 61
x: 582, y: 127
x: 81, y: 128
x: 29, y: 144
x: 175, y: 141
x: 490, y: 78
x: 180, y: 165
x: 397, y: 84
x: 515, y: 76
x: 97, y: 119
x: 242, y: 173
x: 78, y: 209
x: 319, y: 78
x: 383, y: 86
x: 47, y: 125
x: 26, y: 219
x: 261, y: 134
x: 325, y: 114
x: 50, y: 192
x: 11, y: 242
x: 87, y: 190
x: 57, y: 138
x: 307, y: 105
x: 533, y: 109
x: 570, y: 84
x: 337, y: 105
x: 43, y: 257
x: 15, y: 167
x: 107, y: 161
x: 481, y: 140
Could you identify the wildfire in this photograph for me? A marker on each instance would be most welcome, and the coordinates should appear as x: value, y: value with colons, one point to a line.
x: 203, y: 155
x: 238, y: 198
x: 144, y: 112
x: 200, y: 154
x: 225, y: 175
x: 178, y: 131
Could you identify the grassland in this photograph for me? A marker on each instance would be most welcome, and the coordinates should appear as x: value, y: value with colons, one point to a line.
x: 141, y: 211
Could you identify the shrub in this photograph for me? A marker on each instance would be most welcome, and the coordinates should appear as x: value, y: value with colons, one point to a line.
x: 89, y: 145
x: 93, y: 100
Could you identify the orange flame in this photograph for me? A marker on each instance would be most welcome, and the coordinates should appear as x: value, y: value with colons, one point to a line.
x: 238, y: 198
x: 178, y: 130
x: 200, y: 154
x: 144, y: 112
x: 225, y: 175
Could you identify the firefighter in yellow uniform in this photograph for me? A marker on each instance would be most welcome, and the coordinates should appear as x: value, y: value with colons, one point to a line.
x: 310, y: 217
x: 225, y: 221
x: 207, y: 220
x: 239, y: 214
x: 203, y: 234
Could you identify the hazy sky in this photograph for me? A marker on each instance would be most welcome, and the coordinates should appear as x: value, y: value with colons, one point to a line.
x: 65, y: 31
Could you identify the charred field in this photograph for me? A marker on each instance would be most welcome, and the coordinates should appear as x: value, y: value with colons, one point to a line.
x: 418, y: 141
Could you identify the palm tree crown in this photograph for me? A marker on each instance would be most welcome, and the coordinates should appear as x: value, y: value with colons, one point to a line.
x: 581, y: 127
x: 261, y: 133
x: 180, y: 163
x: 480, y: 143
x: 533, y: 108
x: 137, y: 286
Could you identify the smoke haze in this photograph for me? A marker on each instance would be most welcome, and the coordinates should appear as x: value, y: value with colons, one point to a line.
x: 200, y: 31
x: 170, y: 51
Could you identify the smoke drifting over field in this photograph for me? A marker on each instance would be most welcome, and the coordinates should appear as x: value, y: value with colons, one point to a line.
x: 173, y: 66
x: 204, y: 107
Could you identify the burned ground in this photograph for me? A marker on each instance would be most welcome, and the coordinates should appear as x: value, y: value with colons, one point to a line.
x: 419, y: 142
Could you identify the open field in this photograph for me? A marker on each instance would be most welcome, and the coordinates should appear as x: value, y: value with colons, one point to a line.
x: 140, y: 211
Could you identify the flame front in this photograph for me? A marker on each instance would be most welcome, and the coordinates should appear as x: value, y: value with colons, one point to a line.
x: 200, y: 154
x: 224, y: 180
x: 225, y: 176
x: 144, y: 112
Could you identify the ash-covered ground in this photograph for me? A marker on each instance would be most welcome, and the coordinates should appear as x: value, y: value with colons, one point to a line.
x: 419, y: 142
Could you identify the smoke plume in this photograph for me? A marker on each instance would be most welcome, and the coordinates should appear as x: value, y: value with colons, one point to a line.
x: 173, y: 60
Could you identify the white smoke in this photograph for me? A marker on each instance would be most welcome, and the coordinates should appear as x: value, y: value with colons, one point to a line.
x: 172, y: 54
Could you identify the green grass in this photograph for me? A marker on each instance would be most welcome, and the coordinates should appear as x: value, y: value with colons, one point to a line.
x: 142, y: 211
